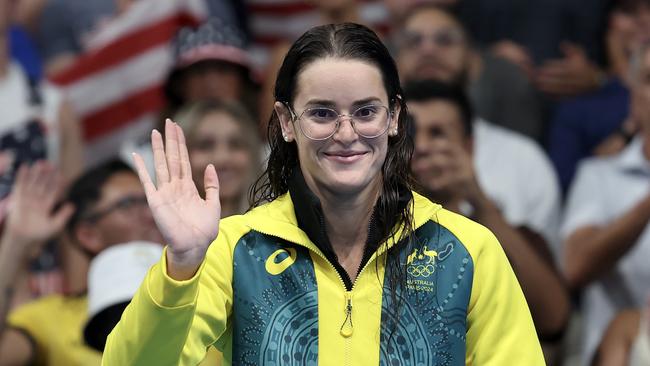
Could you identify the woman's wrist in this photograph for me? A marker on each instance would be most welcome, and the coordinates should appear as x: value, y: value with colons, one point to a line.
x: 183, y: 266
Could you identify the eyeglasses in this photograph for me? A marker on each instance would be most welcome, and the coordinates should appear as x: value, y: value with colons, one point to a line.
x: 442, y: 38
x: 321, y: 123
x: 125, y: 204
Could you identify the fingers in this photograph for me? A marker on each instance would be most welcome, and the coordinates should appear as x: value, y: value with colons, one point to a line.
x: 186, y: 169
x: 143, y: 174
x: 159, y: 160
x: 211, y: 184
x: 172, y: 150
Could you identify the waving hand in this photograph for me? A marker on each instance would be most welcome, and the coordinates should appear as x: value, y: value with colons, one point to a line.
x: 187, y: 222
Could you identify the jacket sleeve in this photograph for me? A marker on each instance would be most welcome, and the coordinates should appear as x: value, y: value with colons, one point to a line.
x: 171, y: 322
x: 500, y: 327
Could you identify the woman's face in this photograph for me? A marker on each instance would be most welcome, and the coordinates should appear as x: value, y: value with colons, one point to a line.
x: 346, y: 163
x: 219, y: 139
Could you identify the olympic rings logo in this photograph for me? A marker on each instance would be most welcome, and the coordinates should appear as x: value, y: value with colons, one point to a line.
x: 421, y: 270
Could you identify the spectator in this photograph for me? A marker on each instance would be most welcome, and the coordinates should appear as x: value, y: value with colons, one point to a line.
x: 606, y: 241
x: 37, y: 123
x: 212, y: 63
x: 450, y: 164
x: 225, y: 135
x: 601, y: 122
x: 432, y: 43
x: 110, y: 208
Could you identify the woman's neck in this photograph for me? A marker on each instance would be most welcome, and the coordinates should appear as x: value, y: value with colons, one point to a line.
x: 347, y: 215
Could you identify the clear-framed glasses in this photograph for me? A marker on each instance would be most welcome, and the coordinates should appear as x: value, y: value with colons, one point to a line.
x: 321, y: 123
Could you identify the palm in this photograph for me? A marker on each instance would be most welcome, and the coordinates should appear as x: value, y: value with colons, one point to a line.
x: 31, y: 220
x: 187, y: 222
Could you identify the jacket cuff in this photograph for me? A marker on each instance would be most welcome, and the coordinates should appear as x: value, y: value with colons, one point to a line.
x: 167, y: 292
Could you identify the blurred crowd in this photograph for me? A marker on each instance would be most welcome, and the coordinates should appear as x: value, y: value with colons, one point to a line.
x: 532, y: 118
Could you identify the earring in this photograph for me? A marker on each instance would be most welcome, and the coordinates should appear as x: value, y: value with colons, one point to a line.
x: 286, y: 138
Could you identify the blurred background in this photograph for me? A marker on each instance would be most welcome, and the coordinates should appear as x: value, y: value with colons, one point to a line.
x: 542, y: 107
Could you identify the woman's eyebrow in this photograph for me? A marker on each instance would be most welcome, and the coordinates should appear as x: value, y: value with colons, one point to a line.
x: 332, y: 104
x: 365, y: 101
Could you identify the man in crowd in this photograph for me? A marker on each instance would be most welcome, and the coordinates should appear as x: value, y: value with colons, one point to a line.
x: 432, y: 44
x: 486, y: 180
x: 605, y: 231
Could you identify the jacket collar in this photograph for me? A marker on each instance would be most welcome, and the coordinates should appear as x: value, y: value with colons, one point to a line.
x: 279, y: 217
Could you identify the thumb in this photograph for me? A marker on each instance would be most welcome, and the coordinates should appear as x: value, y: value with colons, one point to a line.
x: 211, y: 184
x: 63, y: 215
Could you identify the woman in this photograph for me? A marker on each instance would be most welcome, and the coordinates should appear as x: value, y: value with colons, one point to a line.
x: 226, y: 135
x: 345, y: 264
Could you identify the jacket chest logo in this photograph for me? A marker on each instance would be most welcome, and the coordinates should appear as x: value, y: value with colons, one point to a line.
x: 274, y: 267
x: 421, y: 263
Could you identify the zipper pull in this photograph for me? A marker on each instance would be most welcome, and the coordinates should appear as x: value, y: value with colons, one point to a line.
x: 347, y: 328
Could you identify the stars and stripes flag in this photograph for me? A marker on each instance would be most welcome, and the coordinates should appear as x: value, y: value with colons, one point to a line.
x: 116, y: 85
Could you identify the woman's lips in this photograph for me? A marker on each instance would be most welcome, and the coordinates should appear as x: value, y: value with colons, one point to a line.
x: 345, y: 157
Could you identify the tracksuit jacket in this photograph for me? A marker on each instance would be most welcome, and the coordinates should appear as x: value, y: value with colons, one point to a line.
x: 270, y: 292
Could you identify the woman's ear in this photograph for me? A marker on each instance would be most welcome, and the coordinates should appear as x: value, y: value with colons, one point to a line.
x: 397, y: 109
x: 285, y: 117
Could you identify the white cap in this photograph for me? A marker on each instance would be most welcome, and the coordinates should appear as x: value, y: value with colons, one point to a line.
x: 116, y: 273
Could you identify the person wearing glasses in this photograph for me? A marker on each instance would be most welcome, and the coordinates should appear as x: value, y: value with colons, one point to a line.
x: 105, y: 207
x: 339, y: 262
x: 432, y: 43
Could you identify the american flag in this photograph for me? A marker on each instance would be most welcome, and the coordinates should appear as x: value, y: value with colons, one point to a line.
x: 116, y: 85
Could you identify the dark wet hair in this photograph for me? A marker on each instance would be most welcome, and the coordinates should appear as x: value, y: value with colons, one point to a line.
x: 431, y: 90
x: 352, y: 42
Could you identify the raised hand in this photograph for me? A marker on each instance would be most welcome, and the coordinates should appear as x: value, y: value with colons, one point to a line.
x: 30, y: 221
x: 187, y: 222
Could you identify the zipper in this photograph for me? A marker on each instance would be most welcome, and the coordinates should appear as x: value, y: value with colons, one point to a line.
x: 347, y: 327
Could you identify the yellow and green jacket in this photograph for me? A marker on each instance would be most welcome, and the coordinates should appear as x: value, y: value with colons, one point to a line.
x: 267, y: 295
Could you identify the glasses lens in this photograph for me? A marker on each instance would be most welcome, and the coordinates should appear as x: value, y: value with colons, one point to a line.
x: 318, y: 123
x: 371, y: 120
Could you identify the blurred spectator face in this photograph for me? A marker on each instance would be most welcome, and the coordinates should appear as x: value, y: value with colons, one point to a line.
x: 220, y: 139
x: 629, y: 27
x: 121, y: 215
x: 432, y: 45
x: 212, y: 80
x: 436, y: 120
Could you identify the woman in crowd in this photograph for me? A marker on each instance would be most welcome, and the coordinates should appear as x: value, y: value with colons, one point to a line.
x: 225, y: 135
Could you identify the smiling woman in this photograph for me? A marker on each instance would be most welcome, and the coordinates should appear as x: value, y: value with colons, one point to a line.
x: 340, y: 262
